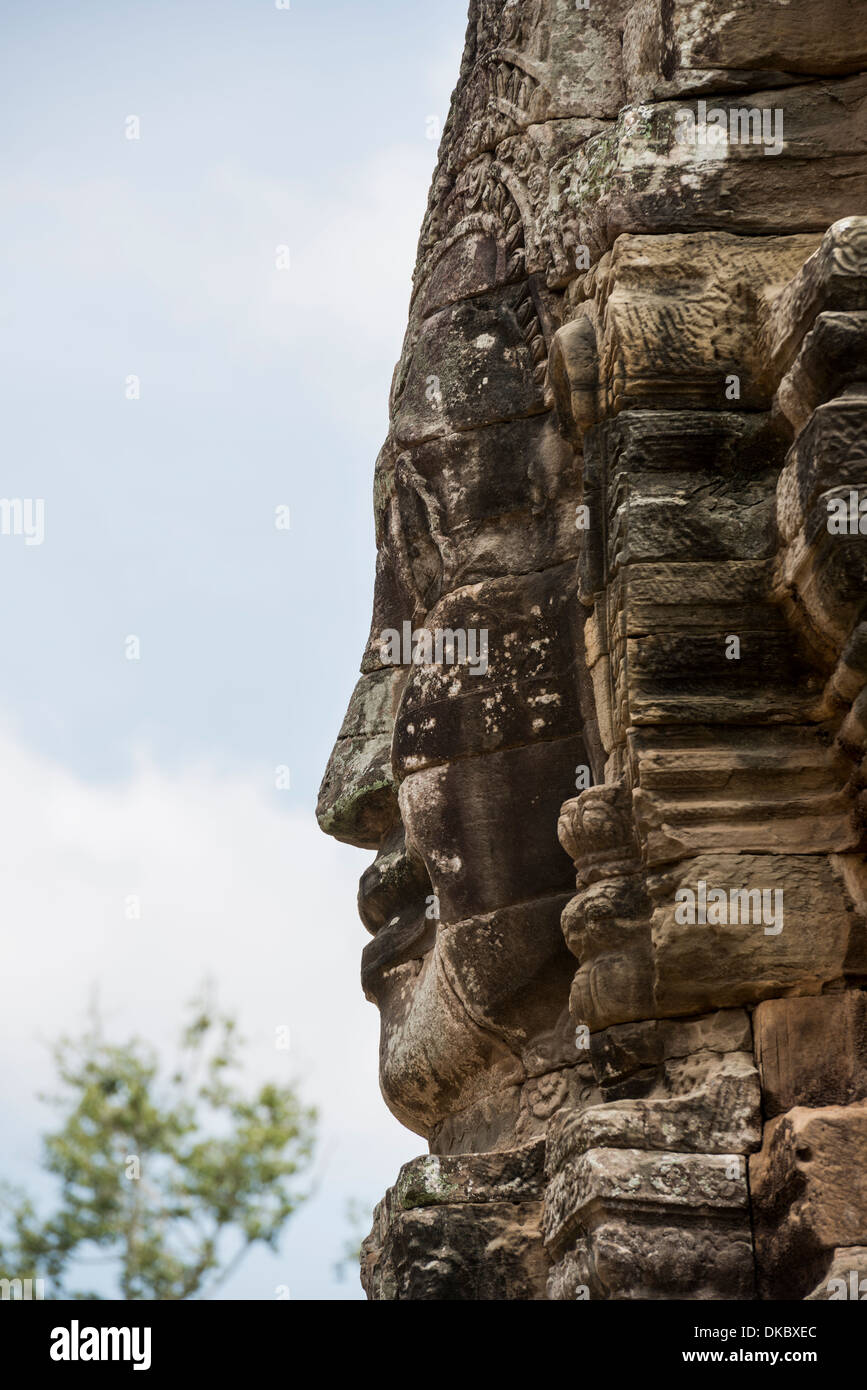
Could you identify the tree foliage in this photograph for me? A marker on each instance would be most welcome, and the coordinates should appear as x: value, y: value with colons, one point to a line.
x: 172, y: 1178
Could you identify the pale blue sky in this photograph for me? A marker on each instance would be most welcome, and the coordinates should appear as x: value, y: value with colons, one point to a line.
x: 259, y: 128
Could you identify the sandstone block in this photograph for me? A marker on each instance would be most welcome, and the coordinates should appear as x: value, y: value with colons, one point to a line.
x: 812, y: 1052
x: 809, y: 1188
x: 669, y: 49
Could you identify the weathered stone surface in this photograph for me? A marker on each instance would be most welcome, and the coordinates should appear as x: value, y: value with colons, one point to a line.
x: 700, y: 1104
x: 796, y: 944
x: 358, y: 797
x: 481, y: 1217
x: 809, y: 1189
x: 458, y: 1253
x: 713, y: 931
x: 488, y: 954
x: 608, y: 928
x: 760, y: 790
x: 635, y: 1259
x: 644, y: 1225
x: 812, y: 1051
x: 471, y: 365
x: 630, y: 1057
x: 833, y: 359
x: 830, y: 452
x: 666, y: 321
x: 525, y: 63
x: 834, y: 278
x: 610, y: 610
x: 824, y: 575
x: 462, y: 857
x: 517, y: 1176
x: 435, y: 1061
x: 644, y: 460
x: 396, y: 597
x: 721, y: 45
x: 526, y: 690
x: 396, y: 876
x: 519, y: 1113
x: 615, y: 1181
x: 498, y: 501
x: 641, y: 177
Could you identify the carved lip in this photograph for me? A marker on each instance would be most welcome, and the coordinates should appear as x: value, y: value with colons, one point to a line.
x: 393, y: 894
x: 408, y: 936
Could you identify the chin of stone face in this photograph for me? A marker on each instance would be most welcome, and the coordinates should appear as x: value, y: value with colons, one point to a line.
x: 608, y: 741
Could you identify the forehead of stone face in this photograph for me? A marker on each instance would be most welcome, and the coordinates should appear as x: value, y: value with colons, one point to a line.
x: 528, y: 689
x: 464, y: 507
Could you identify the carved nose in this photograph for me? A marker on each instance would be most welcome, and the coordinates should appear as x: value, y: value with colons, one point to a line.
x: 358, y: 797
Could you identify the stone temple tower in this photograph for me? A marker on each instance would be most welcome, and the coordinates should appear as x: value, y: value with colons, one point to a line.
x: 608, y: 742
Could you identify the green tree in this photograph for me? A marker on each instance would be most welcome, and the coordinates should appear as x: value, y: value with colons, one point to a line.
x: 172, y: 1178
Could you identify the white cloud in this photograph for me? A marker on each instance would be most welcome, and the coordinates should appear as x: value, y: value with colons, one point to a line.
x: 230, y: 885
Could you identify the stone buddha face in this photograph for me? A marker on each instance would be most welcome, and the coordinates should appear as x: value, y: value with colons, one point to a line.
x: 464, y: 734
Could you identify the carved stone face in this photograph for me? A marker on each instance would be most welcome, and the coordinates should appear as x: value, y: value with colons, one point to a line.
x: 455, y: 772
